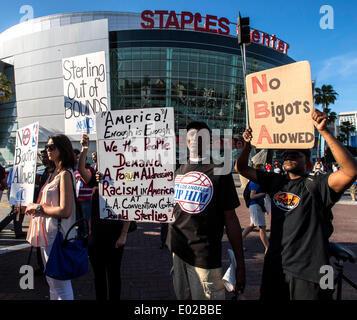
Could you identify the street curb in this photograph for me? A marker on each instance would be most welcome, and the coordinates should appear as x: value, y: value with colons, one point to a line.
x: 14, y: 248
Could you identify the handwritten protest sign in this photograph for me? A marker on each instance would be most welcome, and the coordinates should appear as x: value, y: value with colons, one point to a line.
x: 280, y: 105
x: 136, y: 155
x: 24, y: 170
x: 85, y: 91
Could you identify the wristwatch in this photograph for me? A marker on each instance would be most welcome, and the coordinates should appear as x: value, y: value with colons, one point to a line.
x: 39, y: 208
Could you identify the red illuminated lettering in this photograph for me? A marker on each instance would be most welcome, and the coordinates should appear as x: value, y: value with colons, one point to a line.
x: 185, y: 21
x: 281, y: 46
x: 255, y: 36
x: 144, y: 17
x: 172, y: 21
x: 223, y: 24
x: 198, y: 19
x: 210, y: 22
x: 161, y: 14
x: 265, y: 39
x: 286, y: 48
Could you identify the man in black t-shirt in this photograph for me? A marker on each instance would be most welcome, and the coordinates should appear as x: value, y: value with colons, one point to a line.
x: 300, y: 217
x: 205, y: 203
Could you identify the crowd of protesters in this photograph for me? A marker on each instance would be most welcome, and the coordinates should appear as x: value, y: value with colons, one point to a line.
x: 291, y: 257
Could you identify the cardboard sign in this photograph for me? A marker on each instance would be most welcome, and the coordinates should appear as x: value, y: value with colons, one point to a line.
x: 85, y: 91
x: 24, y: 169
x: 136, y: 155
x: 280, y: 105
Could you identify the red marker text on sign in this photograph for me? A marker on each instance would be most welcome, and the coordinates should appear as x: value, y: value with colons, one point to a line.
x: 263, y: 85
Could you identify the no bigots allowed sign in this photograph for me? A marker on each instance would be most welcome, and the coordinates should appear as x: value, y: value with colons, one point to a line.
x: 280, y: 105
x: 85, y: 91
x: 136, y: 155
x: 24, y: 169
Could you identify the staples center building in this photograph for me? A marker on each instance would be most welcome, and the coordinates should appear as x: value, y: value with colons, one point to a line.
x: 154, y: 58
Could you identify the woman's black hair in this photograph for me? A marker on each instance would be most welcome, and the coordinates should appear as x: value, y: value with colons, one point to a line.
x: 66, y: 153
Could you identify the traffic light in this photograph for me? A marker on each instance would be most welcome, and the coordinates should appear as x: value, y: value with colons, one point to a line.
x: 243, y: 30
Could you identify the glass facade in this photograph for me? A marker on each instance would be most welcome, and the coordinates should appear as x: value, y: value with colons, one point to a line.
x: 8, y: 121
x: 200, y: 84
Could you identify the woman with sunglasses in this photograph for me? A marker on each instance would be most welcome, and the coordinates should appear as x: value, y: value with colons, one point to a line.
x: 55, y: 204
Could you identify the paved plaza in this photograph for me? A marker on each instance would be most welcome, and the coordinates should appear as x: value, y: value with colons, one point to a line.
x: 146, y: 267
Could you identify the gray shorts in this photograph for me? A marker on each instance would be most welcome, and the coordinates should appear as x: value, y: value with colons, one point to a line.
x: 257, y: 216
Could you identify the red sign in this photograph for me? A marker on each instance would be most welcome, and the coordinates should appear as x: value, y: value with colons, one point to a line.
x: 269, y: 40
x: 26, y: 137
x: 213, y: 24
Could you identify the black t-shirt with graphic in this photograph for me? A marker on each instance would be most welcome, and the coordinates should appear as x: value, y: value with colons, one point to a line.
x: 298, y: 242
x: 201, y: 197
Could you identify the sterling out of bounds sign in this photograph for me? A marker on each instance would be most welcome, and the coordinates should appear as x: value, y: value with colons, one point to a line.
x: 136, y: 154
x: 24, y: 169
x: 85, y: 91
x: 280, y: 105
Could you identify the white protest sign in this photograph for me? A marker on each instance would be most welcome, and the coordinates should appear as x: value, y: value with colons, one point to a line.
x: 136, y: 155
x: 85, y: 91
x: 24, y: 169
x: 280, y: 105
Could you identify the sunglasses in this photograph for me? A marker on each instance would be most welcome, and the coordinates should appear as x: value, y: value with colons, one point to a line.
x: 291, y: 155
x: 50, y: 147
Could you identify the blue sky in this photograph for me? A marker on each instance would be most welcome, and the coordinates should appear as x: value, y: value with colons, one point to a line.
x: 332, y: 53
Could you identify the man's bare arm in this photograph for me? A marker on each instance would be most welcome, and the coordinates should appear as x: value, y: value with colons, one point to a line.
x: 234, y: 234
x: 85, y: 173
x: 241, y: 165
x: 339, y: 180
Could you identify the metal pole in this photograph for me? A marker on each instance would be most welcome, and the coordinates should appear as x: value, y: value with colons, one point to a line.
x: 244, y: 67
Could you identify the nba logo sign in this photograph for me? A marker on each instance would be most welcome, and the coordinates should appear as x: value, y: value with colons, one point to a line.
x: 193, y: 191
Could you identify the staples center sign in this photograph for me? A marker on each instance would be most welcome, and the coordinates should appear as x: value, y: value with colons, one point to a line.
x: 212, y: 24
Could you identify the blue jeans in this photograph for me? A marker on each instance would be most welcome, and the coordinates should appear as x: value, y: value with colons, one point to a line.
x: 86, y: 209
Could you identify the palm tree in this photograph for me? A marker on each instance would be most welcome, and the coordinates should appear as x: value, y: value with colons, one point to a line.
x: 5, y: 88
x: 346, y: 128
x: 325, y: 96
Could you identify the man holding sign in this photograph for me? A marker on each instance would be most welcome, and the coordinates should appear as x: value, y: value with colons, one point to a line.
x: 301, y: 216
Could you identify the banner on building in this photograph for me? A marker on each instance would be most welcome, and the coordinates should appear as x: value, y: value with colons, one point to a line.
x: 24, y: 170
x: 136, y: 155
x: 85, y: 91
x: 280, y: 104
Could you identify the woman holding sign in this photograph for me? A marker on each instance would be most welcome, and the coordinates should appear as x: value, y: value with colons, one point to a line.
x: 107, y: 238
x: 55, y: 207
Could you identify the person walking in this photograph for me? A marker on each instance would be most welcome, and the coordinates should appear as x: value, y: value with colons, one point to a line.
x: 205, y: 203
x: 257, y: 211
x: 56, y: 209
x: 301, y: 217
